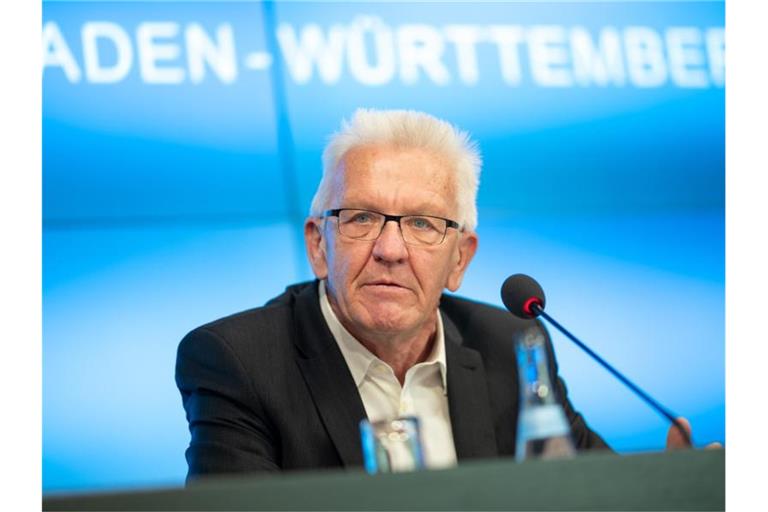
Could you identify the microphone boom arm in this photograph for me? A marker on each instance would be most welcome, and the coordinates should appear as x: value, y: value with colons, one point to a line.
x: 539, y: 311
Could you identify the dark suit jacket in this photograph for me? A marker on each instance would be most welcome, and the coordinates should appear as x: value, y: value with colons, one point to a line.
x: 269, y: 389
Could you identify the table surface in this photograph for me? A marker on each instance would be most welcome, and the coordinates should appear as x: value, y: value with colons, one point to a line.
x: 683, y: 480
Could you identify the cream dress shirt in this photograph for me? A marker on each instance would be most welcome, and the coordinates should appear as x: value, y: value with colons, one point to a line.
x: 424, y: 392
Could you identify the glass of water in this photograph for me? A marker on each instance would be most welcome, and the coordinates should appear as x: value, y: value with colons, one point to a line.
x: 392, y: 446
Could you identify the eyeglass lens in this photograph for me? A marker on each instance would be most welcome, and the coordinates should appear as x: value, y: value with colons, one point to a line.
x: 416, y: 229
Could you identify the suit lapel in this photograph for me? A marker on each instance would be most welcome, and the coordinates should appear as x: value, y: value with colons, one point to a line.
x: 468, y: 402
x: 328, y: 378
x: 338, y: 401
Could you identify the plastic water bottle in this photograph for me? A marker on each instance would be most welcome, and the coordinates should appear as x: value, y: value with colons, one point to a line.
x: 543, y: 431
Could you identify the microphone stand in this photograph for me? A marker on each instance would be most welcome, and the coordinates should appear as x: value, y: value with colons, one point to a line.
x: 537, y: 309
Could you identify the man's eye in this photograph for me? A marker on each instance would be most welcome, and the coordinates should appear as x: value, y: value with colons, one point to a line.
x: 422, y: 224
x: 361, y: 218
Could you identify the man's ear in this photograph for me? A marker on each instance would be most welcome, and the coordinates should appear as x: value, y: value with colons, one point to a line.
x: 314, y: 240
x: 465, y: 251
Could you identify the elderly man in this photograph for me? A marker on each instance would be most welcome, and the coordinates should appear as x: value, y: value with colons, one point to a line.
x: 391, y: 226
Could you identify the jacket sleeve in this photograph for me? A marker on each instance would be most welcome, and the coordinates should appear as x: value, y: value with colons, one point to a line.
x: 583, y: 437
x: 229, y: 430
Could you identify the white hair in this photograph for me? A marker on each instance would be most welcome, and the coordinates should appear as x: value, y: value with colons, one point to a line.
x: 411, y: 129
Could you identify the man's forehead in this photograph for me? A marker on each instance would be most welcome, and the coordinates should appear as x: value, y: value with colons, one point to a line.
x: 422, y: 184
x: 372, y: 161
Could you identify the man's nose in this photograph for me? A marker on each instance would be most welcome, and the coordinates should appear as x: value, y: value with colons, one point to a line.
x: 390, y: 246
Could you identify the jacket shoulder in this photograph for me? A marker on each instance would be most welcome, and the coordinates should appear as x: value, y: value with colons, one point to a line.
x: 476, y: 317
x: 273, y: 320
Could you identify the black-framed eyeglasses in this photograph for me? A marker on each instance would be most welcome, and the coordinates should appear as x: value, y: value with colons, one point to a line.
x: 368, y: 225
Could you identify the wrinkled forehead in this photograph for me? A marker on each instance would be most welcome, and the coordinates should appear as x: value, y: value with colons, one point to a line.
x: 408, y: 178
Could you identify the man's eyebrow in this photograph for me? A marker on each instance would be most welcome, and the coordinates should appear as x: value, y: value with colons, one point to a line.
x: 421, y: 209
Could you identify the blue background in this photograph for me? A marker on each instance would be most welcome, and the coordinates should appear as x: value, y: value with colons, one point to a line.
x: 167, y: 206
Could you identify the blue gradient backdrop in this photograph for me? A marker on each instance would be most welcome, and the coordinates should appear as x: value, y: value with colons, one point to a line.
x: 168, y: 205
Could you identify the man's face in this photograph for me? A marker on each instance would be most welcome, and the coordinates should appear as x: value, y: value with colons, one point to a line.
x: 384, y: 286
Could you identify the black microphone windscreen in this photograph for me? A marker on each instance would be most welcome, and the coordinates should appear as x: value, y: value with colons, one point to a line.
x: 519, y: 292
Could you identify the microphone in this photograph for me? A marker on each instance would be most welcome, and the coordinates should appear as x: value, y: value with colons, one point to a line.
x: 524, y: 298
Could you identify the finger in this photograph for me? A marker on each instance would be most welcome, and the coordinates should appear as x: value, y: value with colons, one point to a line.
x: 675, y: 439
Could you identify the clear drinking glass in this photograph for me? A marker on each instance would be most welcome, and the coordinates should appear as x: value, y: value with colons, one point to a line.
x: 392, y: 446
x: 543, y: 431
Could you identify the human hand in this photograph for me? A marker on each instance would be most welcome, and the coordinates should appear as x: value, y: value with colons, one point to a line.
x: 676, y: 440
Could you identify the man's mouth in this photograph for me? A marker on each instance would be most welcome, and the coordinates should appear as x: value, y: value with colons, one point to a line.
x: 385, y: 284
